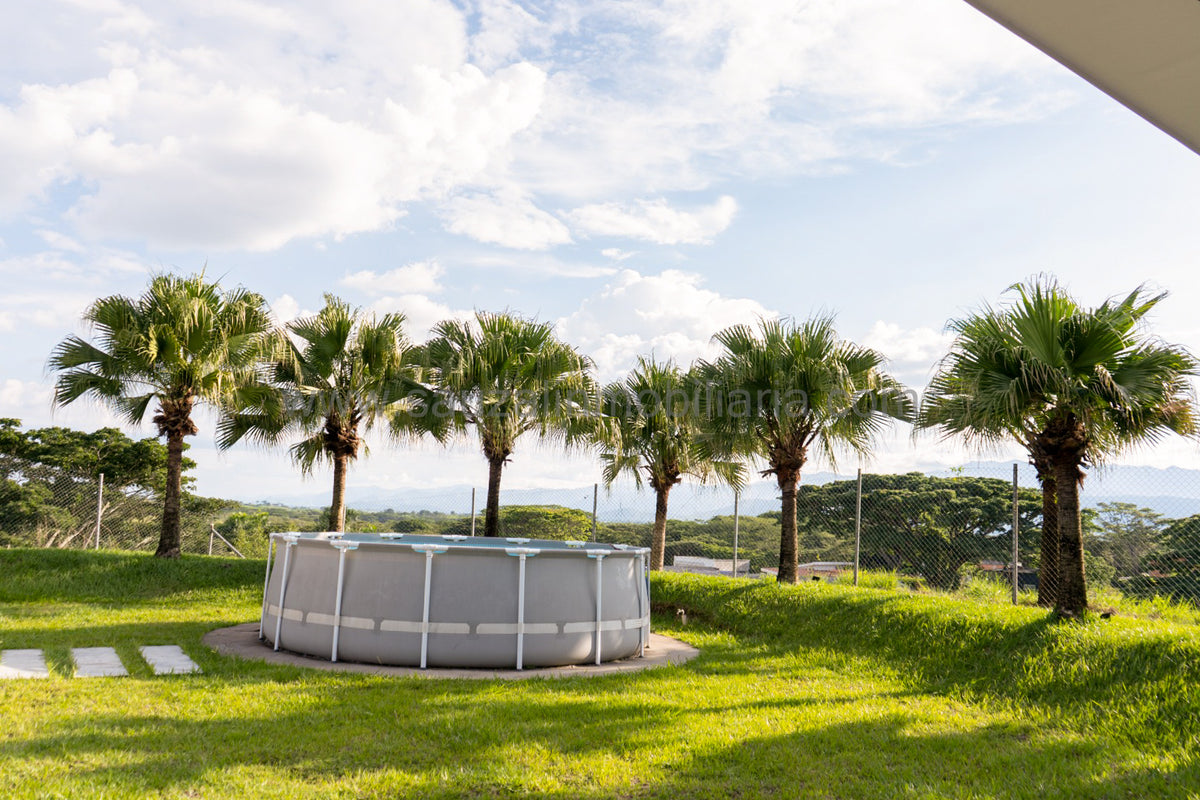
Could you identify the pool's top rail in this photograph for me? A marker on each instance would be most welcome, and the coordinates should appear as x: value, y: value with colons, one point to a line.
x: 419, y: 542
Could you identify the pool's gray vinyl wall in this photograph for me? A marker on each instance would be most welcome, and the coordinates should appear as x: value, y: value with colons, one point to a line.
x: 427, y: 601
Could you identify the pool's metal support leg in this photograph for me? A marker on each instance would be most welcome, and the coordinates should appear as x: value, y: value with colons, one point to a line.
x: 425, y: 612
x: 599, y: 598
x: 266, y: 582
x: 521, y: 553
x: 342, y: 547
x: 643, y: 606
x: 283, y: 581
x: 521, y: 615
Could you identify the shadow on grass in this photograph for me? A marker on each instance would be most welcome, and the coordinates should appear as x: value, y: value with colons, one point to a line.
x: 893, y: 757
x: 576, y: 741
x: 1147, y: 684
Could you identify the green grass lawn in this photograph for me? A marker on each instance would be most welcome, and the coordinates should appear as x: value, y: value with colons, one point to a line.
x: 806, y: 691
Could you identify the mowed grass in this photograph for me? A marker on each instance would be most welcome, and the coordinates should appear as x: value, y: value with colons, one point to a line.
x: 806, y: 691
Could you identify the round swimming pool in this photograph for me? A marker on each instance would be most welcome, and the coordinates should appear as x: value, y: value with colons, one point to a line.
x: 454, y: 601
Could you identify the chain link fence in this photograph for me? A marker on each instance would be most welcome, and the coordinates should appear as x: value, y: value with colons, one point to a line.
x: 43, y: 506
x: 949, y: 533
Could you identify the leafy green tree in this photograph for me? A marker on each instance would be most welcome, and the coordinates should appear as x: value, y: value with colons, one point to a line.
x: 505, y: 376
x: 27, y: 508
x: 247, y: 531
x: 654, y: 425
x: 546, y: 522
x: 411, y: 524
x: 1125, y: 535
x: 123, y: 461
x: 330, y: 378
x: 925, y: 525
x: 1174, y: 570
x: 787, y: 391
x: 183, y: 341
x: 1074, y: 384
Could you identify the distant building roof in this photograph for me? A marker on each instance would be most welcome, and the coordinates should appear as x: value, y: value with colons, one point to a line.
x: 702, y: 565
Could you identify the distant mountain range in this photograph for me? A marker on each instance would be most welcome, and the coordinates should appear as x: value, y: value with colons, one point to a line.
x: 1173, y: 492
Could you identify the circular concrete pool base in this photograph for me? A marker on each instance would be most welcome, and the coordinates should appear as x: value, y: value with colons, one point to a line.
x: 242, y: 641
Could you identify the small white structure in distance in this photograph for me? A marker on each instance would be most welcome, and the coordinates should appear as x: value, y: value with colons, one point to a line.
x: 827, y: 571
x: 700, y: 565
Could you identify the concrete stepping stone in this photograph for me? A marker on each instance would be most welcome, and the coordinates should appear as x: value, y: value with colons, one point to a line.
x: 23, y: 664
x: 97, y: 662
x: 168, y: 659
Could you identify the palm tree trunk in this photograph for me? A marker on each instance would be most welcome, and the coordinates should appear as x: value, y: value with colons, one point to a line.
x: 491, y: 518
x: 658, y: 543
x: 169, y: 539
x: 788, y: 479
x: 337, y: 506
x: 1049, y: 572
x: 1072, y: 588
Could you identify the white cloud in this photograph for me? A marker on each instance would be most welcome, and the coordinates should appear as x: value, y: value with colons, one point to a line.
x: 236, y: 169
x: 42, y: 309
x: 922, y: 346
x: 912, y: 353
x: 897, y: 62
x: 59, y: 241
x: 73, y: 266
x: 617, y: 254
x: 30, y: 402
x: 244, y: 124
x: 201, y: 135
x: 420, y: 312
x: 506, y: 219
x: 669, y: 315
x: 682, y: 93
x: 656, y: 221
x: 539, y: 264
x: 415, y: 278
x: 17, y: 395
x: 284, y: 309
x: 505, y: 30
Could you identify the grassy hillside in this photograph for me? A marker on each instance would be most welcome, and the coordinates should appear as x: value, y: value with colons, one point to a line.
x: 807, y: 691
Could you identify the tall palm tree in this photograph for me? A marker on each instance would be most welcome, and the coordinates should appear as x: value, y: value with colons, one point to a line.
x: 328, y: 379
x: 969, y: 397
x: 183, y: 341
x: 506, y: 376
x: 653, y: 424
x: 784, y: 391
x: 1085, y: 384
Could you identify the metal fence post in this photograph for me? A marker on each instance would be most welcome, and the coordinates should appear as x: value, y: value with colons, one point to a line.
x: 857, y: 525
x: 1015, y: 526
x: 99, y: 508
x: 736, y: 517
x: 472, y: 511
x: 595, y: 505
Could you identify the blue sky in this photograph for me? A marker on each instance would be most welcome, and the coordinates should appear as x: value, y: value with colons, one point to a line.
x: 640, y: 173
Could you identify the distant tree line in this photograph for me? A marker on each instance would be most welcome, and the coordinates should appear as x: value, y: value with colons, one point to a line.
x: 936, y: 530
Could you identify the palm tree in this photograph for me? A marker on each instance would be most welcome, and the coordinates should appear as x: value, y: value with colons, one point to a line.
x: 969, y: 397
x: 1081, y: 384
x: 329, y: 378
x: 654, y: 425
x: 506, y: 376
x: 783, y: 391
x: 183, y: 341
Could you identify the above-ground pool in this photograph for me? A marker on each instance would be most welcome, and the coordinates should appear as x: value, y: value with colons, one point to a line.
x: 455, y: 601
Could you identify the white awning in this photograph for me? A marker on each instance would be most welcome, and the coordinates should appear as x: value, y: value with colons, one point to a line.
x: 1144, y: 53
